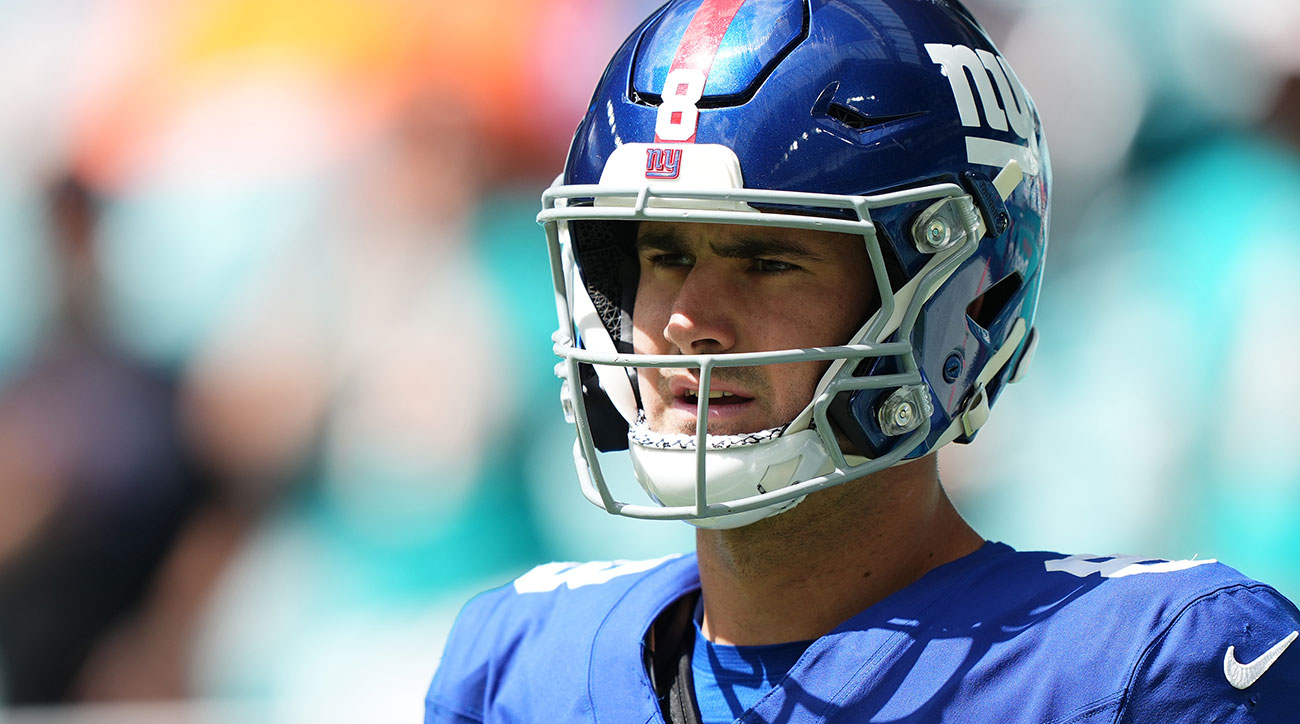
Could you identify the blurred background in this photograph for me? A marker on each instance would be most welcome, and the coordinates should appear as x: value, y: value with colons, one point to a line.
x: 275, y: 373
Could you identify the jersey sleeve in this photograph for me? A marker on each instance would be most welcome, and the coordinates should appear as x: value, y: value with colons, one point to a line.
x: 1228, y: 656
x: 460, y: 685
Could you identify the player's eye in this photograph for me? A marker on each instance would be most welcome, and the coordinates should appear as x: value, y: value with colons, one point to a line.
x: 672, y: 261
x: 773, y: 266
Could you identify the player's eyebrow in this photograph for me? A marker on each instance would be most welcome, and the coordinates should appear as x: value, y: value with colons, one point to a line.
x: 755, y: 247
x: 660, y: 240
x: 744, y: 247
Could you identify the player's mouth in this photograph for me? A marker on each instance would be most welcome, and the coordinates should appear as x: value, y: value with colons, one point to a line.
x: 719, y: 398
x: 728, y: 406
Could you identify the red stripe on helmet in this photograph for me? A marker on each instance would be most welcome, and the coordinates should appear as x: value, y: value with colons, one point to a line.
x: 700, y: 43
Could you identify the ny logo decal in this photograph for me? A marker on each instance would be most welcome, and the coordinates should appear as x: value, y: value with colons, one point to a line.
x: 663, y: 163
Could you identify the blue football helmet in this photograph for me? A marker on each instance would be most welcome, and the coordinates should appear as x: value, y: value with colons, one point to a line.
x: 896, y: 120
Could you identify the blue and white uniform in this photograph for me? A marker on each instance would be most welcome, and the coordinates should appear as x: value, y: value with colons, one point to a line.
x: 997, y: 636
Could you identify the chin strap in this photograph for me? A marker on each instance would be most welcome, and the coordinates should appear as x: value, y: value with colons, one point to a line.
x: 641, y: 434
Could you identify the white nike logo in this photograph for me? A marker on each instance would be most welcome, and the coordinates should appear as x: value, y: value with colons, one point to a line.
x: 1243, y: 675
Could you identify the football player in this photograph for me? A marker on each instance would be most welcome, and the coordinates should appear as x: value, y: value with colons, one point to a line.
x: 796, y: 248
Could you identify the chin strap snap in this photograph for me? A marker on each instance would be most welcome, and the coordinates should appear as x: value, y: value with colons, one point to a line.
x: 977, y: 411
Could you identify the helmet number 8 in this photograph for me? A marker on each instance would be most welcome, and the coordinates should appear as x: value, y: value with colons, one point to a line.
x: 677, y: 113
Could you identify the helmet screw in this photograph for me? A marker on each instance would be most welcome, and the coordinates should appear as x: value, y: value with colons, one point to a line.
x: 936, y: 232
x: 952, y: 368
x: 903, y: 414
x: 905, y: 410
x: 941, y: 225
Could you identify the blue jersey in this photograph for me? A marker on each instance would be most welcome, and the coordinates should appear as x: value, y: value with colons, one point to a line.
x: 998, y: 636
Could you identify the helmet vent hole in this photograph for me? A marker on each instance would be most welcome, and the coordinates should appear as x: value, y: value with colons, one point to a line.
x: 858, y: 121
x: 988, y: 306
x: 849, y: 117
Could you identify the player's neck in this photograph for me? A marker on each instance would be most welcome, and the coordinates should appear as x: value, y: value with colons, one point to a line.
x: 800, y: 574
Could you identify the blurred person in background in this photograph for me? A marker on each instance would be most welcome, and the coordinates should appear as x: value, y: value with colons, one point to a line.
x: 679, y: 244
x: 95, y: 475
x: 343, y: 366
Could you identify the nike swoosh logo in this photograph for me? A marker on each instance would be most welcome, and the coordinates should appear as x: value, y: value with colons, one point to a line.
x: 1243, y: 675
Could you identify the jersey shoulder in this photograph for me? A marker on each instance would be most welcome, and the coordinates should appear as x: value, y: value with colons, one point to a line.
x: 1047, y: 591
x: 1178, y: 638
x: 537, y: 632
x: 1135, y: 598
x: 1225, y: 654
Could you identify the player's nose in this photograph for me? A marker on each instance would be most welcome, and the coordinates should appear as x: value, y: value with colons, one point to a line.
x: 702, y: 321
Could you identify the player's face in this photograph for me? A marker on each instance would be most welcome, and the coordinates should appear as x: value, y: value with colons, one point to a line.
x: 712, y: 288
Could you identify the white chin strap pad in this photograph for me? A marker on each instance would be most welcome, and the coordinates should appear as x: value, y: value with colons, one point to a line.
x: 731, y: 474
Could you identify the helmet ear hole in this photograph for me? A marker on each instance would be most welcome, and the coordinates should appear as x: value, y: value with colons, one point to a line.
x: 986, y: 308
